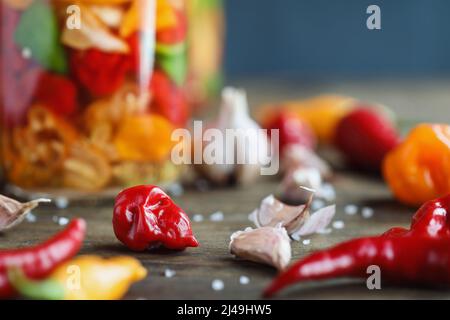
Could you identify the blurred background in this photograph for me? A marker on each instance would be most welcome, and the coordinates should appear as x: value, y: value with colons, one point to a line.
x: 295, y: 48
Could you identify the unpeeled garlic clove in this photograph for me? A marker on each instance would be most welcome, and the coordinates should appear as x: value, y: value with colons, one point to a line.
x: 268, y: 245
x: 12, y: 212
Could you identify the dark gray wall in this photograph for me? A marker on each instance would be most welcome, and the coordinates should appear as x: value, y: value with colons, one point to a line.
x: 330, y: 38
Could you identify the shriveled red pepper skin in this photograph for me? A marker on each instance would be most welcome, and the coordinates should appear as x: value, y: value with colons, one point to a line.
x: 145, y: 217
x: 39, y: 261
x: 419, y: 255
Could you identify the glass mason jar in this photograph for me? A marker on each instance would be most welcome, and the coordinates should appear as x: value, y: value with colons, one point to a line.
x: 206, y: 40
x: 91, y: 91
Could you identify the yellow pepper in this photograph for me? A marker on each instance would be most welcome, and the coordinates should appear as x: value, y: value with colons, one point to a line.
x: 83, y: 278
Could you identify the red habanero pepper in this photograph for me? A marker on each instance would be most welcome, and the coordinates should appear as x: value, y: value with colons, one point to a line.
x: 57, y: 93
x: 420, y: 255
x: 145, y: 217
x: 101, y: 73
x: 39, y: 261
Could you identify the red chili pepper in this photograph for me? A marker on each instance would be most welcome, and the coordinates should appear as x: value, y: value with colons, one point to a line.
x: 168, y: 100
x: 420, y: 255
x: 101, y: 73
x: 57, y: 93
x: 145, y: 217
x: 39, y: 261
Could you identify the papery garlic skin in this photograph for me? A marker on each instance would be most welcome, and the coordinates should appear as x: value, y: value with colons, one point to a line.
x: 13, y: 212
x: 273, y: 212
x: 249, y: 142
x: 268, y: 245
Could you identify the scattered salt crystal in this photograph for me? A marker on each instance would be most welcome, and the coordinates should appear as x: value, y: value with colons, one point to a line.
x: 324, y: 231
x: 367, y: 212
x: 55, y: 219
x: 338, y: 224
x: 175, y: 189
x: 30, y: 217
x: 62, y: 221
x: 217, y: 285
x: 216, y: 216
x: 351, y: 209
x: 306, y: 242
x: 197, y: 218
x: 295, y: 236
x: 317, y: 204
x: 61, y: 202
x: 169, y: 273
x: 26, y: 53
x: 244, y: 280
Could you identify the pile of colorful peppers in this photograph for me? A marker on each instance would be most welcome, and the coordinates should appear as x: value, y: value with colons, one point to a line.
x: 91, y: 105
x: 416, y: 168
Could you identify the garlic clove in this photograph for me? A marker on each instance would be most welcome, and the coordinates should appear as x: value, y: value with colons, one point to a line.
x: 297, y: 156
x: 293, y: 181
x: 273, y: 212
x: 318, y: 221
x: 12, y: 212
x: 268, y: 245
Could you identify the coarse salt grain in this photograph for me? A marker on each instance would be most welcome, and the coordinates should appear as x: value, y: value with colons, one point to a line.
x: 169, y: 273
x: 306, y: 242
x: 216, y: 216
x: 351, y: 209
x: 217, y: 285
x: 62, y: 221
x: 55, y: 219
x: 30, y: 217
x: 324, y: 231
x: 338, y: 224
x: 367, y: 212
x: 244, y: 280
x: 61, y: 202
x: 197, y: 218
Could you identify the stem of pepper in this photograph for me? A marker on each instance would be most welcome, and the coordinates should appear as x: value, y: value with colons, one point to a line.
x: 48, y: 289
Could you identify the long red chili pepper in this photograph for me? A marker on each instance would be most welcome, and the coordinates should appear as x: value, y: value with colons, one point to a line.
x: 420, y: 255
x: 40, y: 260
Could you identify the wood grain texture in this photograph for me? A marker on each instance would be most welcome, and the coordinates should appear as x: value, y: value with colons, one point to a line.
x: 196, y: 268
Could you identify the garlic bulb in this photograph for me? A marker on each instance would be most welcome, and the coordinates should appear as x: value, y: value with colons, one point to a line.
x: 12, y: 212
x: 245, y: 146
x: 268, y: 245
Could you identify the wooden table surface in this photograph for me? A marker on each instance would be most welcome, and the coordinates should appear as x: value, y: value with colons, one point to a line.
x: 196, y: 268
